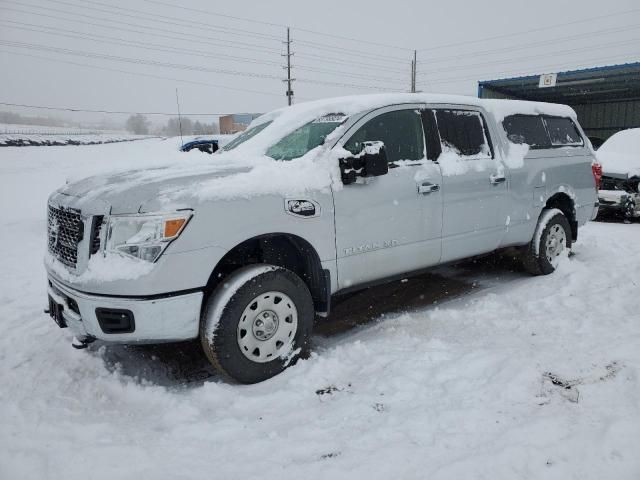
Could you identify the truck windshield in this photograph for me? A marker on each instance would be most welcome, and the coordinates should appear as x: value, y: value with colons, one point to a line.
x: 244, y: 136
x: 305, y: 138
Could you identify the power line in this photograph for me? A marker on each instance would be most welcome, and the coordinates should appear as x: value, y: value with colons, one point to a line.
x: 271, y: 24
x: 347, y: 62
x: 134, y: 61
x: 140, y: 74
x: 348, y: 85
x: 373, y: 78
x: 103, y: 39
x: 181, y: 7
x: 163, y: 19
x: 115, y: 58
x: 190, y: 23
x: 324, y: 58
x: 534, y: 44
x: 199, y: 38
x: 126, y: 42
x: 533, y: 30
x: 223, y: 43
x: 115, y: 112
x: 360, y: 53
x: 533, y: 57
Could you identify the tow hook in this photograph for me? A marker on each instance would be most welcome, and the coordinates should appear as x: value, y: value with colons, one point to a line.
x: 82, y: 343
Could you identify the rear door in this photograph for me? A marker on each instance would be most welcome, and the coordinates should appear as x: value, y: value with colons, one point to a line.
x: 474, y: 184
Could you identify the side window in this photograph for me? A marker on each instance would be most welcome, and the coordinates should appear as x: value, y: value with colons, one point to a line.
x: 464, y: 132
x: 563, y: 132
x: 527, y: 129
x: 401, y: 131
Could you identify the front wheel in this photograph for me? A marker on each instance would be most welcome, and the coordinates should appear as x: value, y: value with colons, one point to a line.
x: 551, y: 242
x: 257, y: 323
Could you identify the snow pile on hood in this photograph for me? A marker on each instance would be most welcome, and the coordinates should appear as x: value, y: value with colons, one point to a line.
x: 620, y: 154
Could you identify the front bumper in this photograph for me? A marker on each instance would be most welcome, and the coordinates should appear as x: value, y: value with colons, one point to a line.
x: 164, y: 319
x: 620, y: 201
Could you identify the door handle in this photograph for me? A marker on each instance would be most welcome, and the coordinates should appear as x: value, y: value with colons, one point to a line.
x: 427, y: 188
x: 497, y: 179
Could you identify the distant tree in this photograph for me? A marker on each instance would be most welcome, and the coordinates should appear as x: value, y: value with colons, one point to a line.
x: 138, y: 124
x: 189, y: 127
x: 11, y: 117
x: 198, y: 128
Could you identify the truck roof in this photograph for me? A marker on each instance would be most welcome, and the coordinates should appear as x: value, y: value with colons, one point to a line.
x: 350, y: 105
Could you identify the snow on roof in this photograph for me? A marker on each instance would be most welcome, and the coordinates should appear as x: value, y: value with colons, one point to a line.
x: 620, y: 154
x: 350, y: 105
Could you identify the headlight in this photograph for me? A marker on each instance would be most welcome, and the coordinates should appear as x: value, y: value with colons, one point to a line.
x: 144, y: 236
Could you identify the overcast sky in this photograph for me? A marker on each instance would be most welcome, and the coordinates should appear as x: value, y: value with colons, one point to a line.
x: 91, y: 56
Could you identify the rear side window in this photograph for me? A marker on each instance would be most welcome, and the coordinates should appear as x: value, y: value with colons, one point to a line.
x: 527, y: 129
x: 542, y: 131
x: 563, y: 131
x: 464, y: 132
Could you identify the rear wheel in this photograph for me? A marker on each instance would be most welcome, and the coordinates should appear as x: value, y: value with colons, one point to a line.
x: 258, y: 323
x: 551, y: 242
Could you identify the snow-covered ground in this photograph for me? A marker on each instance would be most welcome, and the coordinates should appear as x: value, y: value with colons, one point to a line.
x: 34, y: 135
x: 455, y: 374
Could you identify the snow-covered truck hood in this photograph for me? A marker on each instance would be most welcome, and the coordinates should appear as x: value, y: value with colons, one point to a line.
x: 142, y: 190
x: 224, y: 178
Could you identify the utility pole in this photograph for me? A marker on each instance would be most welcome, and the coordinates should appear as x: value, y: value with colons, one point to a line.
x: 179, y: 118
x: 413, y: 71
x: 289, y: 80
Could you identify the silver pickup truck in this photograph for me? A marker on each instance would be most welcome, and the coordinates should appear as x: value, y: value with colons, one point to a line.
x: 244, y: 248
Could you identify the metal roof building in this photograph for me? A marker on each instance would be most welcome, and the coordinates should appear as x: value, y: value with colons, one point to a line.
x: 606, y: 99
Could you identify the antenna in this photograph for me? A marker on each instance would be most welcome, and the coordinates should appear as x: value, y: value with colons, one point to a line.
x: 179, y: 118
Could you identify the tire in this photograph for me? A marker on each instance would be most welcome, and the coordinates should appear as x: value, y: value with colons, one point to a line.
x: 629, y: 209
x: 552, y: 239
x: 258, y: 323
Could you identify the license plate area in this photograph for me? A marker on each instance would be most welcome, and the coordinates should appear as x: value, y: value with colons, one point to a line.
x: 55, y: 312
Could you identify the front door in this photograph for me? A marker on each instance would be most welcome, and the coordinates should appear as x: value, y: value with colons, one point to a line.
x: 389, y: 224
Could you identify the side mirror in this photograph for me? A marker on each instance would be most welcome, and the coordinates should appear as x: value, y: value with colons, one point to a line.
x: 370, y: 162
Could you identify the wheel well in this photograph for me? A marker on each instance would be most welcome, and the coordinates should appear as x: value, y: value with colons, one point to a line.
x: 284, y: 250
x: 565, y: 204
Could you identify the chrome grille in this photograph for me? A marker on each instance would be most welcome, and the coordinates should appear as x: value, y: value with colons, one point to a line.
x: 65, y: 230
x: 96, y: 228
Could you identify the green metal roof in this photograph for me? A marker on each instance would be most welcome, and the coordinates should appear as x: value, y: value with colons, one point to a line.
x: 589, y: 85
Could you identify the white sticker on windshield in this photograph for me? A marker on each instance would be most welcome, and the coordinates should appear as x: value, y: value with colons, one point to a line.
x: 331, y: 118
